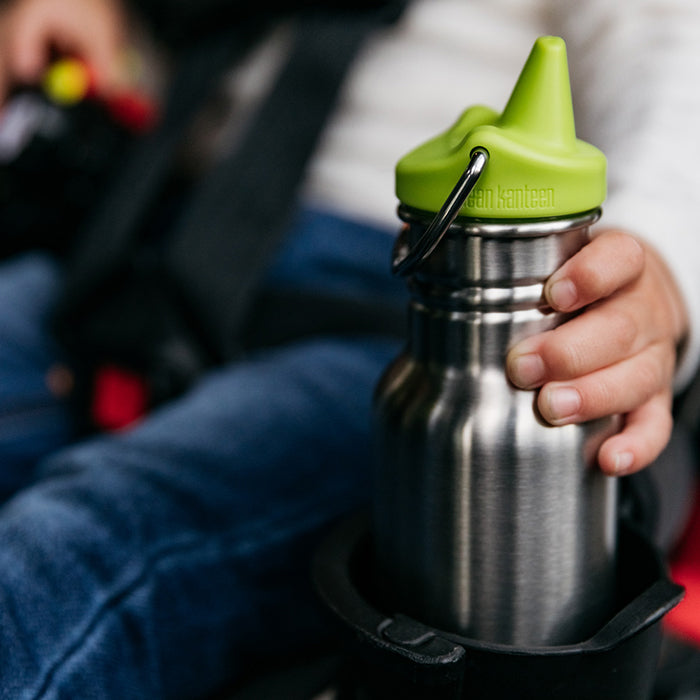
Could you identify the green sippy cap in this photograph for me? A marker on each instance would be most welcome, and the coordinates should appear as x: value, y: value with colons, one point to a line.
x: 536, y: 168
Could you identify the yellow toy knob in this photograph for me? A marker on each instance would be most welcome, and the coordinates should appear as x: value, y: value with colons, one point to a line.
x: 67, y: 81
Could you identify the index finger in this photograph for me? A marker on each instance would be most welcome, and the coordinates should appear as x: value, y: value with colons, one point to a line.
x: 93, y: 31
x: 608, y: 263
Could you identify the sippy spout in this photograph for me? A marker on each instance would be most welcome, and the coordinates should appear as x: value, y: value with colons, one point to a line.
x: 540, y: 110
x: 537, y: 167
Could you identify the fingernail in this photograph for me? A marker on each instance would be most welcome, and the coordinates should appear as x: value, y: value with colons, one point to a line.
x: 563, y: 403
x: 562, y: 294
x: 527, y: 371
x: 623, y: 462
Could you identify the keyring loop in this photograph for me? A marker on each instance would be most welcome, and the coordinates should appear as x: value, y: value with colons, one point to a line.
x: 407, y: 262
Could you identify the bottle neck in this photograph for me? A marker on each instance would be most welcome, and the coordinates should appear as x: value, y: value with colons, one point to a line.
x: 480, y: 291
x: 471, y: 340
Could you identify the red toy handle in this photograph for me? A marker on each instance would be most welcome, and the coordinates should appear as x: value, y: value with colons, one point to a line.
x: 70, y: 80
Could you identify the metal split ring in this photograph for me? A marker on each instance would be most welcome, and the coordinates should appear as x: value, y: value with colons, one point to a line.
x: 407, y: 259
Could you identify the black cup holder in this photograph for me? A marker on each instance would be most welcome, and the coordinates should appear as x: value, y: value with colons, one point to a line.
x: 392, y: 656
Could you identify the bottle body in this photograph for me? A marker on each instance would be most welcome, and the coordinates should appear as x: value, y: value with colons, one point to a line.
x: 489, y: 522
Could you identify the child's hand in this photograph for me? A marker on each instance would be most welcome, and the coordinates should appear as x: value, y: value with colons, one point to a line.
x: 618, y: 356
x: 30, y: 30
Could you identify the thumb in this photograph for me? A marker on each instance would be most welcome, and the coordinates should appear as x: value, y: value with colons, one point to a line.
x: 28, y: 52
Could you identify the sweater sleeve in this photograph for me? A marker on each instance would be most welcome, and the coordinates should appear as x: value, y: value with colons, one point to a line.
x: 634, y: 68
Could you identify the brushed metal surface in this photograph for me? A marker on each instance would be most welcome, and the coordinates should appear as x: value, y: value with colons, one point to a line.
x: 488, y: 522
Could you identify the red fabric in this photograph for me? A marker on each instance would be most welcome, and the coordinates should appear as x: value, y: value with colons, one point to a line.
x: 684, y: 619
x: 120, y: 398
x: 133, y: 111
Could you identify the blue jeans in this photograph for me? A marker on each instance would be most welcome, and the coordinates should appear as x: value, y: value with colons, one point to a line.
x: 161, y: 561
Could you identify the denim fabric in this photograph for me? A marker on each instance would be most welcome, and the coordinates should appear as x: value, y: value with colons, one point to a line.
x: 338, y: 257
x: 32, y: 421
x: 162, y: 561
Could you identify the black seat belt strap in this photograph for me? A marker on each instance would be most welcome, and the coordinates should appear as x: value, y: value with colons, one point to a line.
x: 241, y: 211
x: 106, y: 241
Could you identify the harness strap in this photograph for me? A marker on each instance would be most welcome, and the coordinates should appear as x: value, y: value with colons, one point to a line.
x: 110, y: 233
x: 239, y: 214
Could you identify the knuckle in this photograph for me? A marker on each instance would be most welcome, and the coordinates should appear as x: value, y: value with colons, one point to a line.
x: 667, y: 358
x: 649, y: 378
x: 653, y: 374
x: 589, y: 277
x: 624, y: 247
x: 659, y: 425
x: 564, y: 359
x: 629, y: 250
x: 624, y: 328
x: 665, y: 424
x: 601, y: 399
x: 635, y: 255
x: 614, y: 259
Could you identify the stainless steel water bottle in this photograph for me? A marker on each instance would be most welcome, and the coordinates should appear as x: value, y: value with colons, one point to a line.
x: 488, y: 522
